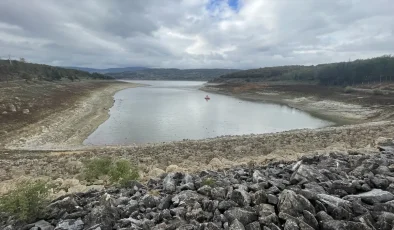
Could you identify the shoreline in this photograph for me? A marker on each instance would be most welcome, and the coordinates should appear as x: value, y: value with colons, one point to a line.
x: 332, y: 110
x: 68, y: 128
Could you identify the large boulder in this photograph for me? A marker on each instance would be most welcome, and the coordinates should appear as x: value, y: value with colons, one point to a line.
x: 294, y: 204
x: 236, y: 225
x: 307, y: 174
x: 244, y: 216
x: 241, y: 197
x: 374, y: 196
x: 169, y: 183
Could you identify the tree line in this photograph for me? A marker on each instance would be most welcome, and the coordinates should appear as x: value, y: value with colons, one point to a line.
x: 14, y: 70
x: 373, y: 70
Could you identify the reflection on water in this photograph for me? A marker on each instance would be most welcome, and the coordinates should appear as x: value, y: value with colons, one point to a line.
x: 176, y: 110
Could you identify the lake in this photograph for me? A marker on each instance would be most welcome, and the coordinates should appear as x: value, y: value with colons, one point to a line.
x: 176, y: 110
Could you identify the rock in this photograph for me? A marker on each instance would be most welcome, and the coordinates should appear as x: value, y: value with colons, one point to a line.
x: 236, y: 225
x: 272, y: 199
x: 259, y: 197
x: 374, y: 196
x: 43, y: 225
x: 4, y: 112
x: 302, y: 225
x: 291, y: 225
x: 310, y: 219
x: 169, y: 183
x: 58, y: 208
x: 269, y: 219
x: 149, y: 201
x: 253, y: 226
x: 103, y: 215
x: 70, y: 225
x: 257, y: 177
x: 294, y: 204
x: 212, y: 226
x: 25, y: 111
x: 385, y: 221
x: 189, y: 197
x: 218, y: 193
x: 307, y: 174
x: 241, y: 197
x: 244, y: 216
x: 226, y: 204
x: 343, y: 225
x: 205, y: 190
x: 12, y: 107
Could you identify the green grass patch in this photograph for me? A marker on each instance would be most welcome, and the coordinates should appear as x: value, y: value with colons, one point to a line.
x: 120, y: 171
x: 209, y: 181
x: 26, y: 201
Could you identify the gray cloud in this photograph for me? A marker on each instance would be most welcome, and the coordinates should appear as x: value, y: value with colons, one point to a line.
x: 190, y: 34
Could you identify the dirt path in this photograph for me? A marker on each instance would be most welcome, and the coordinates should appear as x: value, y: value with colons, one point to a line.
x: 67, y: 129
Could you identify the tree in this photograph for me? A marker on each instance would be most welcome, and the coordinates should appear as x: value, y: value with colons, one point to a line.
x: 23, y: 60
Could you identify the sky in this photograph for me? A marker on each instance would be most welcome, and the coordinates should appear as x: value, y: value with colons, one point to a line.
x: 195, y: 33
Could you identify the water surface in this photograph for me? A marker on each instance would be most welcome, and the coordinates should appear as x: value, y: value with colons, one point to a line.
x: 176, y: 110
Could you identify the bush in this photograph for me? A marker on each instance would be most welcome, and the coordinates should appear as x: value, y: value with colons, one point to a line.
x: 348, y: 89
x: 26, y: 201
x: 378, y: 92
x: 97, y: 167
x: 120, y: 171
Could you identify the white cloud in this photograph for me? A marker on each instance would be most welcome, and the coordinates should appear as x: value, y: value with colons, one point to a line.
x: 195, y: 33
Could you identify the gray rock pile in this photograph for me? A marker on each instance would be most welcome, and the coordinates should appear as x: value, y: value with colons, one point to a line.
x: 330, y: 192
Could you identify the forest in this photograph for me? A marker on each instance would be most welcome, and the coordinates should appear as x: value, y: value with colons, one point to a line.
x: 373, y: 70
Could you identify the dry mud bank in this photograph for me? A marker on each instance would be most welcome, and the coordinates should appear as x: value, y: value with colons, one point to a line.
x: 330, y: 103
x: 190, y: 156
x: 65, y: 126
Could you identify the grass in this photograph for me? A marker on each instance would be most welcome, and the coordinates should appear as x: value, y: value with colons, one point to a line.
x: 378, y: 92
x: 119, y: 172
x: 26, y: 201
x: 209, y: 181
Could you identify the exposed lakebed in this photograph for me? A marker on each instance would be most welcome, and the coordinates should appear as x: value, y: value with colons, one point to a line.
x: 176, y: 110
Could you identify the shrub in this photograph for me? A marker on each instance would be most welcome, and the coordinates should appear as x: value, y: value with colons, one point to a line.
x: 348, y: 89
x: 123, y: 171
x: 97, y: 167
x: 377, y: 92
x: 120, y: 171
x: 209, y: 181
x: 26, y: 201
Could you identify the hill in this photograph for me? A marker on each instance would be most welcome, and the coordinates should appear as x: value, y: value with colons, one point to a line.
x: 173, y: 74
x: 343, y: 73
x: 109, y: 70
x: 19, y: 70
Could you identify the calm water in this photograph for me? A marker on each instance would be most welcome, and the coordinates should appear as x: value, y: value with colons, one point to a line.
x: 176, y: 110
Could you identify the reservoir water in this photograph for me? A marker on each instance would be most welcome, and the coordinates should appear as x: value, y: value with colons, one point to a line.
x: 176, y: 110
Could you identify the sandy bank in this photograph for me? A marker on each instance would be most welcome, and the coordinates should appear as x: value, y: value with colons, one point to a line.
x: 68, y: 128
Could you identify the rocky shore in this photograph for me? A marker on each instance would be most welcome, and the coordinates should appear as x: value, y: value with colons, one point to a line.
x: 352, y: 190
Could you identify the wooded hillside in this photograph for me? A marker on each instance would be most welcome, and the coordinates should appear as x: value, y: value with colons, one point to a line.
x: 17, y: 70
x: 379, y: 69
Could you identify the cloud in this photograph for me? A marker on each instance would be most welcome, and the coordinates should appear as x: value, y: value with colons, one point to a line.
x: 195, y: 33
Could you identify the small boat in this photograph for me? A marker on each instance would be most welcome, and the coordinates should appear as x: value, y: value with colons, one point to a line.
x: 207, y: 97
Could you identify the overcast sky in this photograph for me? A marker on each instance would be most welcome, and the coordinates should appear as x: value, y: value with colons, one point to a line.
x: 195, y: 33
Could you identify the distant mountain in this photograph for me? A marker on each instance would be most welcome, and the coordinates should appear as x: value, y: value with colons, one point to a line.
x: 172, y: 74
x: 109, y: 70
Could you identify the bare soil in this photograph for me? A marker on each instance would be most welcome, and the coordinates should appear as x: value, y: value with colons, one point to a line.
x: 59, y: 114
